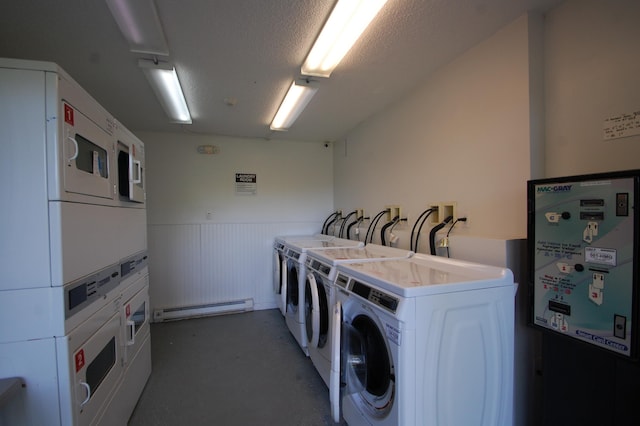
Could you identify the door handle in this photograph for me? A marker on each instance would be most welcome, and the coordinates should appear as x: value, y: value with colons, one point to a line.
x: 137, y: 177
x: 88, y: 388
x: 132, y: 333
x: 75, y: 145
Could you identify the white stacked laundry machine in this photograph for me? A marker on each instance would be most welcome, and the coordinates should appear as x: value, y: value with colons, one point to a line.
x: 423, y: 341
x: 74, y: 320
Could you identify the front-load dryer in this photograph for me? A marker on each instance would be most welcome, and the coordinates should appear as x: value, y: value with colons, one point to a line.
x: 319, y: 294
x: 295, y: 254
x: 424, y: 341
x: 280, y: 264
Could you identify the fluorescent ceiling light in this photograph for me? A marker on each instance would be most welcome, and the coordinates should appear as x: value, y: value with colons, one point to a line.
x: 294, y: 102
x: 139, y: 23
x: 165, y: 84
x: 347, y: 22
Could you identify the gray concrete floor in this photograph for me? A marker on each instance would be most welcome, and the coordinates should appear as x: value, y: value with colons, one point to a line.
x: 237, y: 369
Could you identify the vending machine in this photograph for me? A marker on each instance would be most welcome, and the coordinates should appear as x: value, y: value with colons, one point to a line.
x: 583, y: 234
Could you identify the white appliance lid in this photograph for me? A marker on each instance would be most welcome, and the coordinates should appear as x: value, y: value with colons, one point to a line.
x: 285, y: 238
x: 423, y: 275
x: 304, y: 245
x: 333, y: 256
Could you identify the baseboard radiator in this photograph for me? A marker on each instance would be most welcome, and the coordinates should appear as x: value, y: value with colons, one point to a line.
x: 172, y: 314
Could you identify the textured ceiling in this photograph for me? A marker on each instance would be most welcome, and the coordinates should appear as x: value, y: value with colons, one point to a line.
x: 251, y: 50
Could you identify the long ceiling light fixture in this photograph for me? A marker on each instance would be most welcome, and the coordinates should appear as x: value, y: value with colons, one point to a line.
x: 164, y: 81
x: 294, y: 102
x: 140, y: 25
x: 345, y: 25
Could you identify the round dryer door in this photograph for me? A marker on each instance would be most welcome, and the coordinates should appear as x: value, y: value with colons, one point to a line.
x: 282, y: 267
x: 292, y: 286
x: 316, y: 311
x: 367, y: 370
x: 277, y: 271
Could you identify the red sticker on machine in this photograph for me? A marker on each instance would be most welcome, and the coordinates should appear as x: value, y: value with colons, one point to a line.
x: 79, y: 360
x: 68, y: 114
x: 128, y: 311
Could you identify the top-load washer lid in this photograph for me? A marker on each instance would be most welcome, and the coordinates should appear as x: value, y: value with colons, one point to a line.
x: 325, y: 260
x: 370, y: 252
x: 285, y: 238
x: 304, y: 245
x: 423, y: 275
x: 298, y: 249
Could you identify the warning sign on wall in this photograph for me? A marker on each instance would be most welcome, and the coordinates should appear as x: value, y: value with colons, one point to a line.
x: 246, y: 184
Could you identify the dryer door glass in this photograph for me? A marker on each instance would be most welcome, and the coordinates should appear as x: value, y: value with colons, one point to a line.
x: 353, y: 360
x: 100, y: 366
x: 371, y: 383
x: 281, y: 268
x: 139, y: 318
x: 130, y: 172
x: 311, y: 308
x: 123, y: 172
x: 277, y: 272
x: 135, y: 314
x: 316, y: 311
x: 324, y: 315
x: 91, y: 158
x: 292, y: 286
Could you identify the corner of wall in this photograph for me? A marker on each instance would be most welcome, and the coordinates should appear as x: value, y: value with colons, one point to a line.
x: 535, y: 27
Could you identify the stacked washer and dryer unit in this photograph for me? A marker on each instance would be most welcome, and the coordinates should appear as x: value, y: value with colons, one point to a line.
x: 74, y: 304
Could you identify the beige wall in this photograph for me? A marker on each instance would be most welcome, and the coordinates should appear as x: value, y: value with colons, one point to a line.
x: 184, y: 185
x: 195, y: 260
x: 592, y: 71
x: 527, y: 102
x: 463, y: 136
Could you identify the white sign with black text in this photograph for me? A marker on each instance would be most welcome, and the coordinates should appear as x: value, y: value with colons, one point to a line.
x: 246, y: 183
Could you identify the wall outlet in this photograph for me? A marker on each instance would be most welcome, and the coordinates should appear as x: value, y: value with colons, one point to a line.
x: 449, y: 209
x: 394, y: 211
x: 434, y: 216
x: 444, y: 210
x: 464, y: 224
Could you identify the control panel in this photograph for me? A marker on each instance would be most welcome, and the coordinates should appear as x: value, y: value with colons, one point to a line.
x: 318, y: 266
x: 371, y: 294
x: 293, y: 254
x: 133, y: 264
x: 85, y: 291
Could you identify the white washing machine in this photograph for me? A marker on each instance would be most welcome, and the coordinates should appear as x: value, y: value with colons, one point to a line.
x: 423, y: 341
x: 295, y: 254
x: 280, y: 264
x: 320, y: 294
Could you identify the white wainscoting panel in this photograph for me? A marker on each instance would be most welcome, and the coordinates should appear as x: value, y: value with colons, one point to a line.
x: 199, y: 264
x: 175, y: 276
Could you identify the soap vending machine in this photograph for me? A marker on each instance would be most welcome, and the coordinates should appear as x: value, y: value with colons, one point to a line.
x: 583, y: 258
